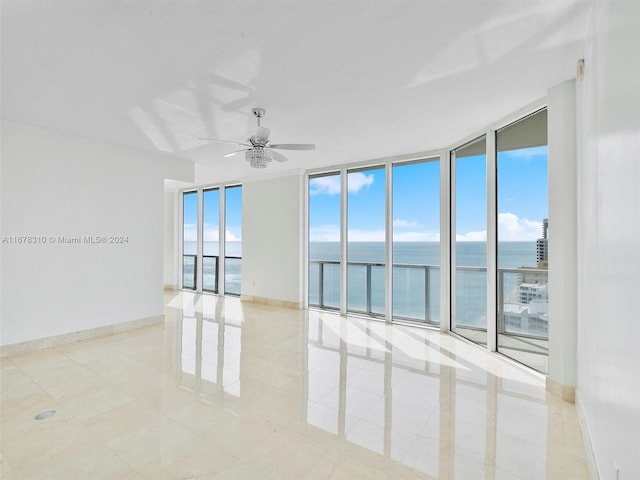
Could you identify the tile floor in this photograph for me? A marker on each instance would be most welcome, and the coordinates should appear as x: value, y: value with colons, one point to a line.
x: 229, y: 390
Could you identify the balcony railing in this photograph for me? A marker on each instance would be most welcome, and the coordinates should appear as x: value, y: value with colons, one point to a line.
x: 210, y: 273
x: 416, y: 288
x: 232, y: 275
x: 189, y: 271
x: 523, y: 302
x: 522, y: 294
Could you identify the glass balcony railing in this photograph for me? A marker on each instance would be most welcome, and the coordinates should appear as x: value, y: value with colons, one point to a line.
x: 469, y: 306
x: 416, y: 289
x: 324, y: 284
x: 365, y: 288
x: 416, y: 292
x: 232, y: 275
x: 523, y: 302
x: 522, y: 294
x: 210, y: 273
x: 189, y: 271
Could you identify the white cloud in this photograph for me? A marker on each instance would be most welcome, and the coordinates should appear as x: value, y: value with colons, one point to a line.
x: 230, y: 237
x: 331, y: 233
x: 325, y: 233
x: 416, y: 237
x: 405, y: 223
x: 366, y: 235
x: 331, y: 185
x: 358, y: 180
x: 210, y: 233
x: 190, y: 232
x: 325, y: 185
x: 472, y: 236
x: 512, y: 228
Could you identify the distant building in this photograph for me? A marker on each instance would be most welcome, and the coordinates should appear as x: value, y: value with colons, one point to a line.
x: 542, y: 244
x: 532, y: 291
x: 531, y: 315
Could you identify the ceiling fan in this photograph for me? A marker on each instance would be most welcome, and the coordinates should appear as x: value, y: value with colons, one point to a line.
x: 260, y: 151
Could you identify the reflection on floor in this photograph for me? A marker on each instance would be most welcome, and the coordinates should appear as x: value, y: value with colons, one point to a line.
x: 530, y: 351
x: 227, y: 390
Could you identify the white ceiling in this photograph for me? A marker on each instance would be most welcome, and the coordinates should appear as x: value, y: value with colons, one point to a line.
x: 361, y: 79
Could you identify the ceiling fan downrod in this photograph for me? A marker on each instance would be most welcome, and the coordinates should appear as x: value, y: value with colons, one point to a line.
x: 259, y: 113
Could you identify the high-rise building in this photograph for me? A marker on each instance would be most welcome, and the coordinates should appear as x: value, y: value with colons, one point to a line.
x: 542, y: 244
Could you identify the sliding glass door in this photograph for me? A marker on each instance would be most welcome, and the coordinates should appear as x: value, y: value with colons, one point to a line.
x: 366, y: 204
x: 211, y: 220
x: 416, y: 240
x: 522, y: 213
x: 189, y: 240
x: 469, y: 240
x: 498, y: 257
x: 233, y: 240
x: 324, y: 240
x: 210, y: 239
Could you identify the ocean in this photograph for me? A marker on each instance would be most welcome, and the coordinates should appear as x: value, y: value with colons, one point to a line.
x: 233, y: 266
x: 416, y: 276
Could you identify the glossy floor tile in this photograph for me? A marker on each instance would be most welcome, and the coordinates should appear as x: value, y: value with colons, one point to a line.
x: 231, y: 390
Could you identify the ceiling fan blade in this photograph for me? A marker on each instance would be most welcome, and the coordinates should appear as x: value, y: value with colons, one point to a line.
x: 238, y: 104
x: 294, y: 146
x: 225, y: 141
x: 278, y: 157
x: 229, y: 83
x: 231, y: 154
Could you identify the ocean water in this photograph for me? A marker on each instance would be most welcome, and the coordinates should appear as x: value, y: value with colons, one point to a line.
x: 233, y: 266
x: 471, y: 254
x: 416, y: 276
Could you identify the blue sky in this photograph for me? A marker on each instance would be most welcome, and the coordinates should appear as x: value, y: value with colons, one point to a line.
x: 211, y: 215
x: 522, y: 202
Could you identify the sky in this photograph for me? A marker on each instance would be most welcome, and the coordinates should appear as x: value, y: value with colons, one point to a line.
x: 211, y: 205
x: 522, y: 202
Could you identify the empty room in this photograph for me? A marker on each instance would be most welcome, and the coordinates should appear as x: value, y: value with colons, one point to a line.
x: 319, y: 240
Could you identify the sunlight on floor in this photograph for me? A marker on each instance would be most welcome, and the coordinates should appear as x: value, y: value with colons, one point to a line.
x: 229, y: 389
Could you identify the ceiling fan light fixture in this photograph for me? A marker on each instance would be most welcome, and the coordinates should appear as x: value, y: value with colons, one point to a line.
x: 259, y: 151
x: 258, y: 157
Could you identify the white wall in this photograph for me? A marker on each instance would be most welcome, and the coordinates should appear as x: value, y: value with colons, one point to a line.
x: 609, y: 238
x: 60, y: 185
x: 562, y: 234
x: 170, y: 239
x: 272, y: 213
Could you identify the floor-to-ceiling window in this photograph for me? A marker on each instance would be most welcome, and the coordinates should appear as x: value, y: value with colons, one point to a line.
x: 324, y: 240
x: 416, y: 240
x: 189, y: 239
x: 522, y: 256
x: 210, y: 239
x: 390, y: 216
x: 469, y: 240
x: 366, y: 255
x: 233, y: 240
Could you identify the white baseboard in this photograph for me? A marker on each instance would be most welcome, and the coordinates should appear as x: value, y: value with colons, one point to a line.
x: 565, y: 392
x: 588, y: 446
x: 271, y: 301
x: 65, y: 338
